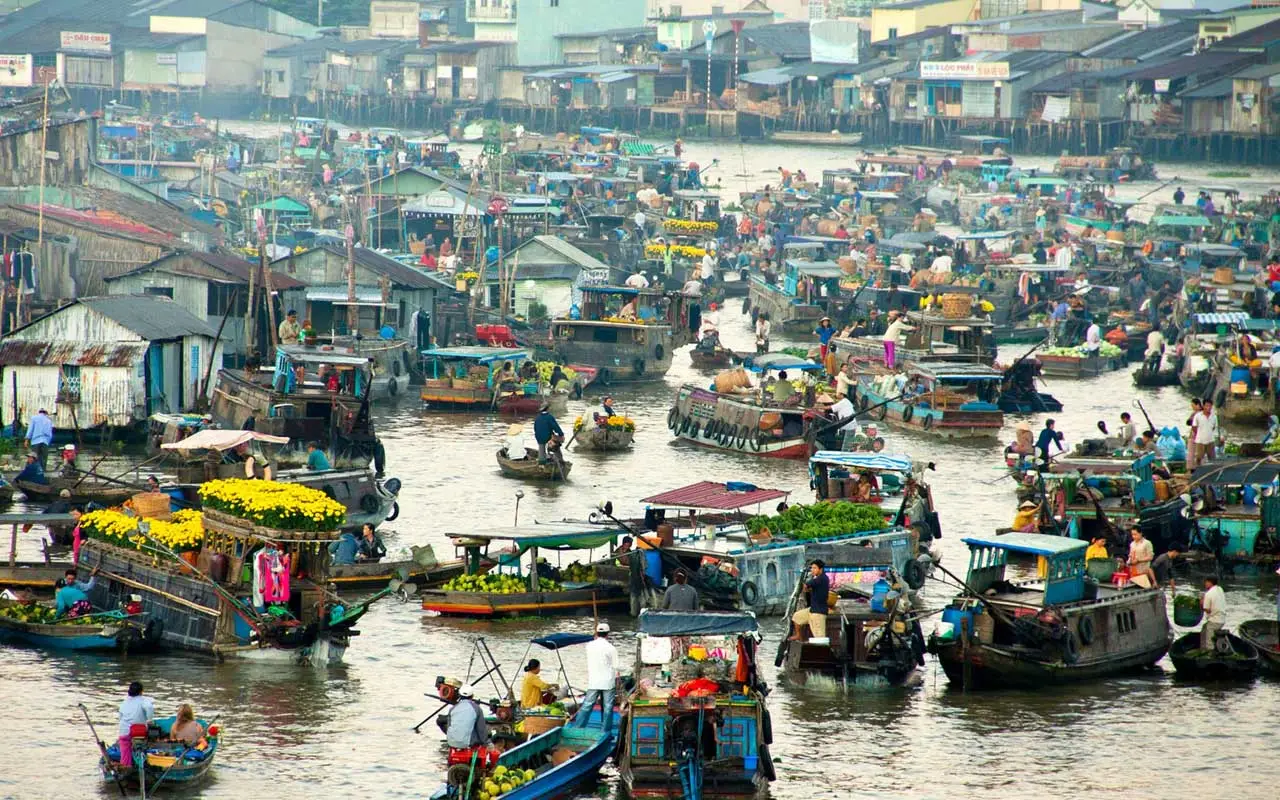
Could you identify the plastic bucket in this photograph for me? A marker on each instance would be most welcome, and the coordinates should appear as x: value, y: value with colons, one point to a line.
x: 750, y: 763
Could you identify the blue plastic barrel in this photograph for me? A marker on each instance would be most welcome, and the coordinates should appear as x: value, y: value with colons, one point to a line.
x: 1239, y: 374
x: 653, y: 566
x: 878, y: 594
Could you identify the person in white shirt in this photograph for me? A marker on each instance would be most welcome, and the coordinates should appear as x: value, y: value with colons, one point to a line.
x: 1214, y: 604
x: 1206, y: 432
x: 763, y: 329
x: 843, y: 381
x: 905, y: 261
x: 602, y: 663
x: 638, y: 281
x: 692, y: 288
x: 1155, y: 348
x: 1093, y: 339
x: 1128, y: 431
x: 640, y: 220
x: 1064, y: 256
x: 708, y: 271
x: 137, y: 709
x: 941, y: 265
x: 1273, y: 366
x: 897, y: 324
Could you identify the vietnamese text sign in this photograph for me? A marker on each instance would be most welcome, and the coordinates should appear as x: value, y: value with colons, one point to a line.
x: 964, y: 70
x: 86, y: 42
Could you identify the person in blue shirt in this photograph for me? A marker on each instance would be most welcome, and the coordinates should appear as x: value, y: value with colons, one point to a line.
x: 40, y: 436
x: 73, y: 596
x: 317, y: 461
x: 825, y: 331
x: 1048, y: 436
x: 544, y: 427
x: 32, y: 472
x: 345, y: 549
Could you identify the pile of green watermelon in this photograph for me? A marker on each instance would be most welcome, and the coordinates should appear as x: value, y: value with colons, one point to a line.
x: 821, y: 521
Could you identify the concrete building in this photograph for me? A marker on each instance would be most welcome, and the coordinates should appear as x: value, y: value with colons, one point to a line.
x: 891, y: 20
x: 534, y: 30
x: 546, y: 270
x: 108, y: 361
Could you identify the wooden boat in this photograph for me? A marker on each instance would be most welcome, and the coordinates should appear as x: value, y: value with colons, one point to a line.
x: 104, y: 631
x: 530, y: 468
x: 816, y: 138
x: 935, y: 338
x: 716, y: 357
x: 1145, y: 377
x: 623, y: 349
x: 88, y: 490
x: 1234, y: 660
x: 560, y: 759
x: 166, y: 762
x: 6, y: 492
x: 39, y: 576
x: 1019, y: 393
x: 1056, y: 630
x: 1264, y: 634
x: 602, y: 438
x: 545, y: 600
x: 1237, y: 396
x: 463, y: 378
x: 719, y: 741
x: 421, y: 570
x: 1079, y: 366
x: 796, y: 305
x: 948, y: 400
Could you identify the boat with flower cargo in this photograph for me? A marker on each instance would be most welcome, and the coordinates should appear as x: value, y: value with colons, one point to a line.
x: 622, y: 345
x: 603, y: 434
x: 245, y: 578
x: 513, y: 587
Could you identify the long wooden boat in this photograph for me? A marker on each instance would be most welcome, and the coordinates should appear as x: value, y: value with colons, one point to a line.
x: 570, y: 602
x: 1264, y: 634
x: 713, y: 358
x: 1056, y: 630
x: 1054, y: 366
x: 1237, y: 396
x: 88, y: 490
x: 623, y: 349
x: 463, y: 379
x: 530, y: 468
x: 950, y: 401
x: 560, y: 760
x: 1239, y: 662
x: 421, y: 570
x: 40, y: 576
x: 175, y: 762
x: 103, y: 631
x: 816, y: 138
x: 731, y: 422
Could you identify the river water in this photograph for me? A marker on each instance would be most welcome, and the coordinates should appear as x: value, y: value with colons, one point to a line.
x: 345, y: 731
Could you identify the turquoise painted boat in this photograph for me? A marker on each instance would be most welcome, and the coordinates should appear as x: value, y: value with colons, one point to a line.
x: 166, y: 762
x: 32, y: 625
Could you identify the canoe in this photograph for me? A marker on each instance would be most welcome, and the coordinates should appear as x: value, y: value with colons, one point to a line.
x: 176, y: 762
x: 602, y: 439
x: 86, y: 491
x: 559, y: 760
x: 1263, y: 634
x: 108, y: 631
x: 530, y: 469
x: 421, y: 570
x: 1241, y: 663
x: 567, y: 602
x: 711, y: 359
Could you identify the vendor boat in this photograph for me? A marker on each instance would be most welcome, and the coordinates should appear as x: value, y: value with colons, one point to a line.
x: 84, y: 489
x: 1229, y: 659
x: 532, y: 468
x: 1240, y: 394
x: 35, y: 625
x: 304, y: 410
x: 623, y: 349
x: 935, y: 338
x: 1058, y: 629
x: 948, y: 400
x: 166, y: 762
x: 464, y: 379
x: 422, y: 569
x: 1076, y: 362
x: 810, y: 285
x: 1264, y: 634
x: 470, y: 597
x: 696, y: 725
x: 1019, y: 393
x: 603, y: 435
x: 708, y: 353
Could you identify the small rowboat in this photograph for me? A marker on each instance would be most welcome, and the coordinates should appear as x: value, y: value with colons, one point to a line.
x: 173, y: 761
x: 603, y: 439
x: 82, y: 491
x: 718, y: 358
x: 530, y: 468
x: 107, y: 631
x: 1236, y: 661
x: 421, y: 570
x: 1264, y: 634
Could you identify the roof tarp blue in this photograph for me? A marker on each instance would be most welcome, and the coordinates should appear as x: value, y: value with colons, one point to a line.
x: 555, y: 641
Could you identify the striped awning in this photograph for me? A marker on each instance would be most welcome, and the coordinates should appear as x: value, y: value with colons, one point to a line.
x: 858, y: 460
x: 1223, y: 318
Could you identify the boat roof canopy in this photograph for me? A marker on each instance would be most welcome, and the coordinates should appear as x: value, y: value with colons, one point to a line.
x: 767, y: 361
x: 985, y: 235
x: 312, y: 355
x: 729, y: 496
x: 957, y: 371
x: 816, y: 269
x: 696, y: 623
x: 1037, y: 544
x: 482, y: 355
x: 1238, y: 472
x: 870, y: 462
x: 555, y: 641
x: 222, y: 440
x: 555, y: 535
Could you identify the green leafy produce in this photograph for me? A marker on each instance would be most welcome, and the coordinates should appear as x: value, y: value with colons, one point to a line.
x: 1188, y: 602
x: 1106, y: 350
x: 820, y: 521
x: 498, y: 584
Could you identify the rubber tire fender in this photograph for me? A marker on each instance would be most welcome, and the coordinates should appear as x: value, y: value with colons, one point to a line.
x: 153, y: 631
x: 638, y: 367
x: 864, y: 403
x: 766, y: 727
x: 740, y: 437
x: 695, y: 429
x: 1085, y: 630
x: 711, y: 426
x: 926, y: 421
x: 750, y: 594
x: 880, y: 413
x: 393, y: 386
x: 913, y: 573
x: 684, y: 425
x: 908, y: 411
x: 673, y: 418
x: 1070, y: 648
x: 756, y: 441
x: 395, y: 511
x: 369, y: 504
x: 659, y: 351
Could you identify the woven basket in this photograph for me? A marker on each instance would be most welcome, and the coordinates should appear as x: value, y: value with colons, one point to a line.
x: 955, y: 306
x: 1224, y: 276
x: 538, y: 724
x: 152, y: 505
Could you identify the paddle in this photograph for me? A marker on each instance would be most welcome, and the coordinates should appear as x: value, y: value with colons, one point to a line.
x: 182, y: 755
x: 102, y: 748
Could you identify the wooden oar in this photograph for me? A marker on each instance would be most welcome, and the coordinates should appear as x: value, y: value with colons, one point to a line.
x: 102, y: 748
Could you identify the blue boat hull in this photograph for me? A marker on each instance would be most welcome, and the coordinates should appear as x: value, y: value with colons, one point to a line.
x: 187, y: 772
x: 81, y: 643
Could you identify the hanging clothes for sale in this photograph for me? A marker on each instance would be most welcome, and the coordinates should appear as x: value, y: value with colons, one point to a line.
x: 271, y: 577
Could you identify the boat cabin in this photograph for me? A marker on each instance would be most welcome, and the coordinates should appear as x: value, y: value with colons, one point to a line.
x: 1061, y: 563
x: 630, y: 332
x: 833, y: 473
x: 431, y: 153
x: 466, y: 376
x: 979, y: 145
x: 696, y: 205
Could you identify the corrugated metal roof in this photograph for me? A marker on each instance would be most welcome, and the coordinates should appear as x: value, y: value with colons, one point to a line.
x: 709, y: 494
x: 153, y: 318
x: 1144, y: 45
x: 19, y: 352
x: 1203, y: 66
x: 230, y: 266
x: 399, y: 274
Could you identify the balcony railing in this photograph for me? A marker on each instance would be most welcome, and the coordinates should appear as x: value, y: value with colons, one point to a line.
x: 494, y: 11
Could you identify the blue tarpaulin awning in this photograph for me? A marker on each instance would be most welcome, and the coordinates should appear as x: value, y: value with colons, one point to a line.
x: 555, y: 641
x: 696, y: 623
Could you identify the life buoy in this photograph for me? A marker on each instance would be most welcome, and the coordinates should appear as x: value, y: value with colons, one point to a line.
x: 638, y: 366
x: 659, y: 351
x: 908, y: 412
x: 673, y: 418
x: 913, y: 574
x: 1070, y: 650
x: 749, y: 593
x: 1085, y: 629
x: 393, y: 387
x: 926, y: 421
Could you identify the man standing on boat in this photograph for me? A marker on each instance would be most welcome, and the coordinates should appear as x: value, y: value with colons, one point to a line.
x: 602, y: 662
x: 544, y: 427
x: 818, y: 586
x: 136, y: 709
x: 467, y: 726
x: 680, y: 596
x: 1214, y: 604
x: 1048, y: 436
x: 40, y: 436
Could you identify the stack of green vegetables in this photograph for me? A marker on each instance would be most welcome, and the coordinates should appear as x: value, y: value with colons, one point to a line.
x: 1106, y: 350
x: 820, y: 521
